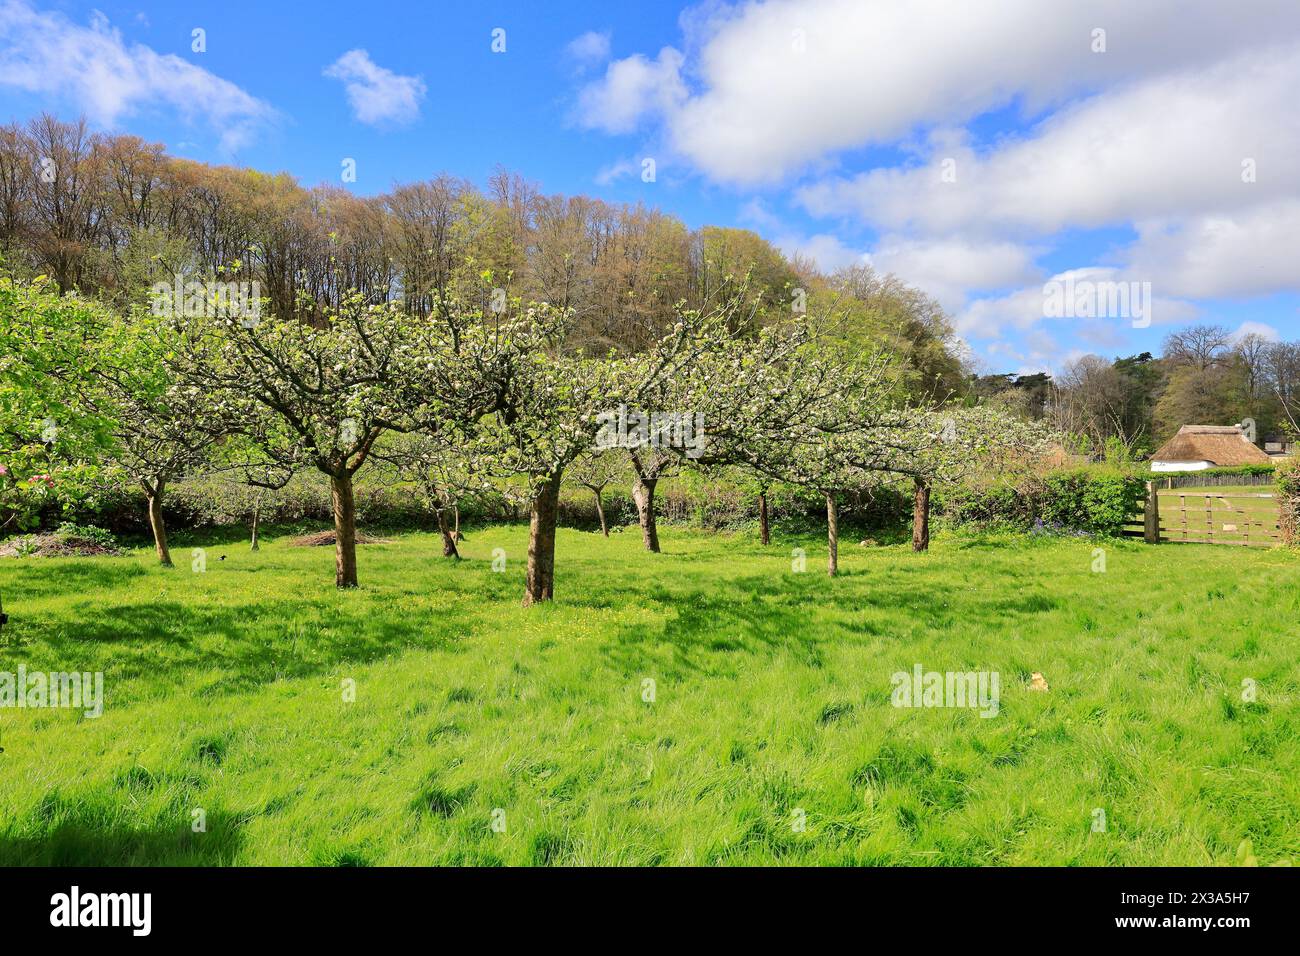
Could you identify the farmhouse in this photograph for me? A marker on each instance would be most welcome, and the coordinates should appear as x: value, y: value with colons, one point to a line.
x: 1196, y: 447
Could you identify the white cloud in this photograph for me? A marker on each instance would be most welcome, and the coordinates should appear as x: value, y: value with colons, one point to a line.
x: 108, y: 79
x: 589, y: 49
x: 1026, y: 308
x: 630, y: 90
x: 619, y: 169
x: 1172, y: 145
x: 827, y: 251
x: 949, y: 268
x: 1262, y: 329
x: 784, y: 83
x: 377, y: 95
x: 1249, y: 253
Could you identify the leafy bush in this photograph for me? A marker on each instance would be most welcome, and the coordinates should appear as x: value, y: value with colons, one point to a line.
x: 86, y: 532
x: 1092, y: 500
x: 1099, y: 502
x: 1288, y: 491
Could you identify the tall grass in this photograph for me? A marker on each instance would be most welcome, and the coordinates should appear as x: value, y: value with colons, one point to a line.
x: 770, y: 736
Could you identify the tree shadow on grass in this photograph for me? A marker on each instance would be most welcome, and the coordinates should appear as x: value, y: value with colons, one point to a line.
x: 763, y: 615
x: 39, y: 577
x: 242, y: 647
x: 83, y: 836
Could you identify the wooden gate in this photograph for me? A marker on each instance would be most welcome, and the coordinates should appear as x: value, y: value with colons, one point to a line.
x: 1202, y: 516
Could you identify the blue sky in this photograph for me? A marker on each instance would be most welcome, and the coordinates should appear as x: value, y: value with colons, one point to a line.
x: 978, y: 151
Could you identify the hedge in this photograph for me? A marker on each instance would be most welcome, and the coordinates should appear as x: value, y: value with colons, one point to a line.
x: 1089, y: 500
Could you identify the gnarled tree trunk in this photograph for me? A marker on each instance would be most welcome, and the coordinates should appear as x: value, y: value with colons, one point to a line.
x: 832, y: 535
x: 643, y: 491
x: 540, y: 581
x: 921, y: 516
x: 764, y: 532
x: 156, y: 525
x: 345, y: 530
x: 448, y: 536
x: 600, y: 510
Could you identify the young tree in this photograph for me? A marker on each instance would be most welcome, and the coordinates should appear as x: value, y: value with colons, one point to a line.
x: 159, y: 426
x: 551, y: 407
x: 596, y: 470
x: 947, y: 446
x: 790, y: 405
x: 443, y: 472
x: 299, y: 395
x: 50, y: 446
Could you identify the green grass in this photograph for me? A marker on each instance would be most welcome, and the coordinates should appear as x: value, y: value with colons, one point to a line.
x: 772, y: 696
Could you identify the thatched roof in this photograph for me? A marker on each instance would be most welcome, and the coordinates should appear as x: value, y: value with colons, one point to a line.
x: 1223, y: 445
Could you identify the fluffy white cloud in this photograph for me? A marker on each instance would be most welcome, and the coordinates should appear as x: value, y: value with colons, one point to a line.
x: 827, y: 251
x: 1253, y: 252
x: 96, y: 69
x: 631, y: 89
x: 377, y: 95
x: 1025, y: 308
x: 950, y: 268
x: 1173, y: 145
x: 783, y: 83
x: 1262, y: 329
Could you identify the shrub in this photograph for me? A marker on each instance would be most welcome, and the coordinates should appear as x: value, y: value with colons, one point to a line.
x: 89, y: 533
x: 1085, y: 499
x: 1097, y: 501
x: 1288, y: 493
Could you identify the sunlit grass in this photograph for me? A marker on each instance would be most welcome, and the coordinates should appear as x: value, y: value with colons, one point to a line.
x: 225, y: 692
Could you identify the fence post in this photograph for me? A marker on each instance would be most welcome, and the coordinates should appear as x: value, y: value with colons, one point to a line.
x: 1151, y: 515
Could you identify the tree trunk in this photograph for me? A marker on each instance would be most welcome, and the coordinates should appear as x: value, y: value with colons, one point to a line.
x: 921, y: 516
x: 156, y: 524
x: 540, y: 582
x: 764, y: 531
x: 644, y: 493
x: 257, y: 514
x: 448, y: 536
x: 345, y: 531
x: 455, y: 530
x: 832, y: 535
x: 600, y: 510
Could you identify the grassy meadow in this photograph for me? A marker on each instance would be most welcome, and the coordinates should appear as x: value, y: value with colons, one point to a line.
x: 484, y: 733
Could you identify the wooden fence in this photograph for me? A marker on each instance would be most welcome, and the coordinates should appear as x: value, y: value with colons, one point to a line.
x: 1192, y: 479
x: 1197, y: 516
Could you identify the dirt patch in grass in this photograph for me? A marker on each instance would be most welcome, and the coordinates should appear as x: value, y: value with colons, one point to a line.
x: 324, y: 538
x: 54, y: 546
